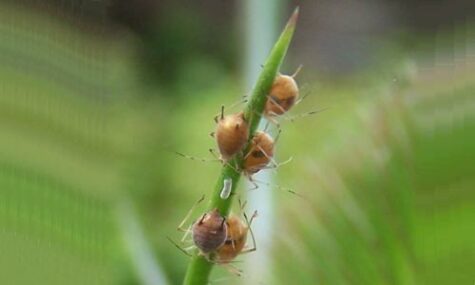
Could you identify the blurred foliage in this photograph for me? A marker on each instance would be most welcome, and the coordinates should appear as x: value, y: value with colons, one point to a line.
x: 386, y: 171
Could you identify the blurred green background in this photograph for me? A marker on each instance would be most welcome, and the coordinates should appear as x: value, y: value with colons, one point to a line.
x: 95, y: 97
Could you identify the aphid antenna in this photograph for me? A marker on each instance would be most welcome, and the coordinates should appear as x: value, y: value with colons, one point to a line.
x: 278, y: 187
x: 239, y: 102
x: 188, y: 215
x: 195, y: 158
x: 217, y: 157
x: 277, y: 165
x: 293, y: 118
x: 305, y: 95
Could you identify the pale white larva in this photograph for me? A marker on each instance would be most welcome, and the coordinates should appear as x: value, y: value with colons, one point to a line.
x: 227, y: 187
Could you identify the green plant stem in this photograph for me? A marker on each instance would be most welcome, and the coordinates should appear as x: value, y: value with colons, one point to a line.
x: 199, y: 268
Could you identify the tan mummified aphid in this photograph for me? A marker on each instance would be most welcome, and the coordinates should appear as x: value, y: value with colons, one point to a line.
x: 235, y: 239
x: 283, y: 95
x: 260, y: 153
x: 231, y: 134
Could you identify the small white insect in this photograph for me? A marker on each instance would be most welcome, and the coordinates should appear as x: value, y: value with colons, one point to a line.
x: 227, y: 187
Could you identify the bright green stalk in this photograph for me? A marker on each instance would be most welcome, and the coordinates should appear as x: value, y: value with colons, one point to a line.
x: 199, y: 268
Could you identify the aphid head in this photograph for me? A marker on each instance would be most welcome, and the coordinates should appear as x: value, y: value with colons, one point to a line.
x: 232, y: 133
x: 235, y: 240
x: 210, y: 231
x: 260, y: 153
x: 283, y: 95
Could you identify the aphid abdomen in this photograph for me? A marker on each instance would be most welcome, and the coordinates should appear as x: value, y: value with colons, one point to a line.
x: 230, y: 143
x: 209, y: 233
x: 260, y: 153
x: 235, y: 241
x: 210, y: 241
x: 232, y: 133
x: 282, y: 96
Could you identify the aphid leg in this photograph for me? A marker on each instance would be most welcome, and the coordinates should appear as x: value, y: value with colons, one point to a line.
x: 185, y: 219
x: 299, y: 68
x: 213, y: 152
x: 222, y: 280
x: 185, y: 235
x: 222, y: 223
x: 241, y: 206
x: 266, y: 127
x: 277, y: 137
x: 253, y: 238
x: 254, y: 215
x: 232, y: 269
x: 292, y: 118
x: 179, y: 247
x: 212, y: 134
x: 271, y: 118
x: 276, y: 103
x: 253, y: 182
x: 271, y: 159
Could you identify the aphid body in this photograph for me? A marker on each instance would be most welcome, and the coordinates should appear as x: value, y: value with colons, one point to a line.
x: 282, y: 96
x: 260, y: 153
x: 231, y: 134
x: 235, y: 240
x: 209, y: 232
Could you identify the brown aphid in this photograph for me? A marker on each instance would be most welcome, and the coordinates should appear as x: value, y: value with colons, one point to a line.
x: 260, y: 153
x: 209, y: 232
x: 231, y: 134
x: 283, y: 95
x: 235, y: 241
